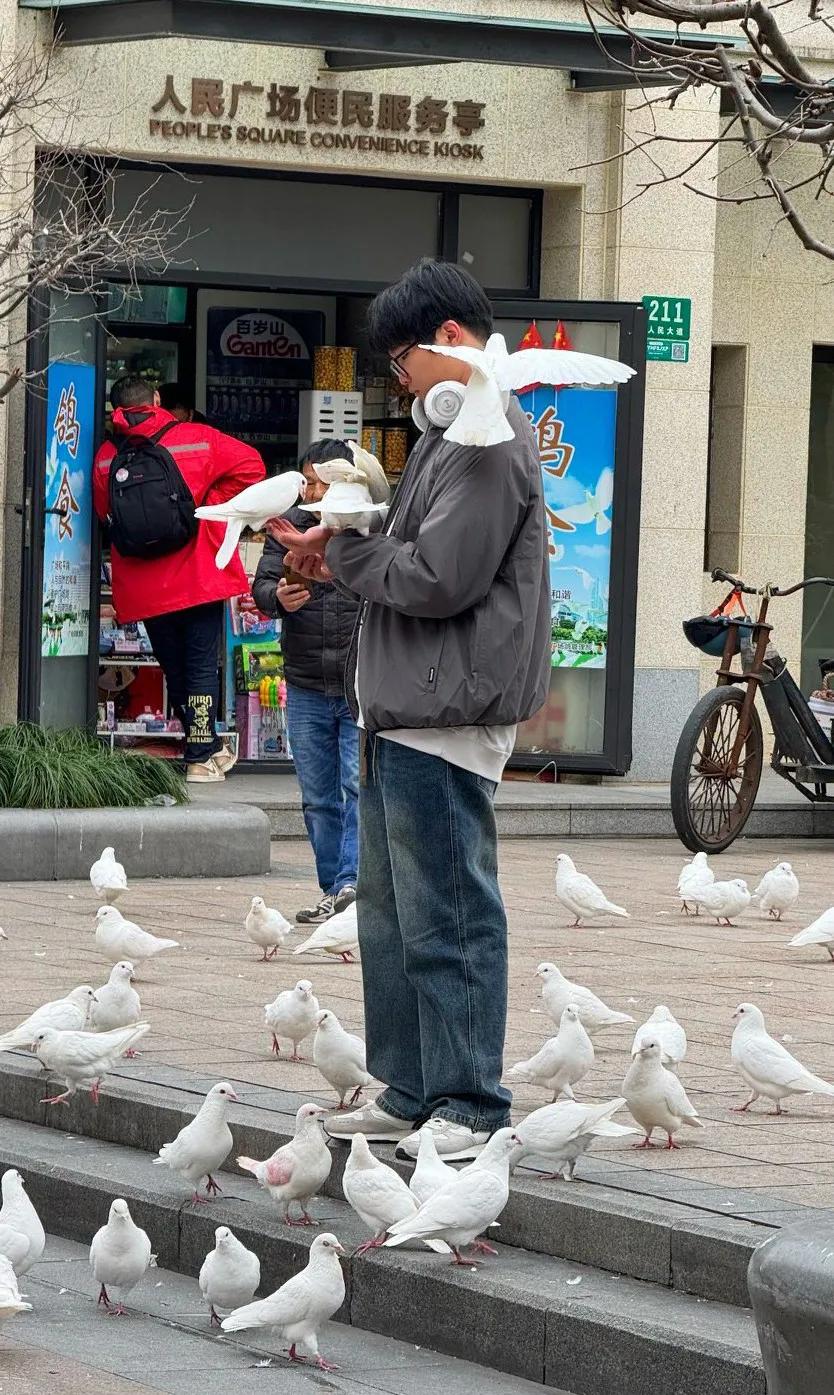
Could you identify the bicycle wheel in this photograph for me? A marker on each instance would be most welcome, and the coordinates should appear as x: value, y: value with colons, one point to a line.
x: 711, y: 801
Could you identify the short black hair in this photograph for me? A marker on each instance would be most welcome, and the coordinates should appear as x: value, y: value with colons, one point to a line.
x: 132, y: 391
x: 173, y: 395
x: 416, y: 306
x: 327, y: 449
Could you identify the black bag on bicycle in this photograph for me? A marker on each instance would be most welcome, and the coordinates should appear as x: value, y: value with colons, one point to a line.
x: 151, y: 507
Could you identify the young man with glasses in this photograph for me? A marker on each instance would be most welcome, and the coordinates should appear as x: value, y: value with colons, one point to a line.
x: 452, y: 651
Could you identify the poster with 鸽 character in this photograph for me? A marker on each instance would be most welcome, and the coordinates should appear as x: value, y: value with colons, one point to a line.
x: 256, y: 364
x: 575, y: 430
x: 70, y: 424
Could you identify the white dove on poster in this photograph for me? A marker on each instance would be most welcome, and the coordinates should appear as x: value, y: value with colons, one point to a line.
x: 596, y: 504
x: 482, y: 419
x: 251, y: 508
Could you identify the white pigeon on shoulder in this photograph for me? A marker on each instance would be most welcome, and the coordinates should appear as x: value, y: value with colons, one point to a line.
x: 558, y: 993
x: 299, y: 1169
x: 67, y: 1014
x: 116, y: 1003
x: 656, y: 1098
x: 377, y: 1193
x: 430, y: 1171
x: 662, y: 1026
x: 118, y: 938
x: 724, y: 900
x: 581, y: 896
x: 560, y: 1133
x: 299, y: 1307
x: 18, y: 1212
x: 108, y: 877
x: 694, y: 876
x: 778, y: 890
x: 252, y: 508
x: 820, y: 932
x: 266, y: 927
x: 562, y: 1061
x: 764, y: 1064
x: 11, y: 1299
x: 229, y: 1276
x: 340, y: 1057
x: 203, y: 1145
x: 292, y: 1014
x: 120, y: 1256
x: 81, y: 1059
x: 339, y: 935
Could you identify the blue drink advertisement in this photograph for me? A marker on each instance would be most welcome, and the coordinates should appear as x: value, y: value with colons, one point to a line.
x: 70, y: 425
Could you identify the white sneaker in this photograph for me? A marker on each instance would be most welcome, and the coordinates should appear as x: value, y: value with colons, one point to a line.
x: 370, y: 1119
x: 452, y: 1141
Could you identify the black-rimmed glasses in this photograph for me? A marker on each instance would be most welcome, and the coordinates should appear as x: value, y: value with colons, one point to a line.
x: 396, y: 362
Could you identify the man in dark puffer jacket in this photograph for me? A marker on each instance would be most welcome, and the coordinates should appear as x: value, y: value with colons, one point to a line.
x: 316, y: 629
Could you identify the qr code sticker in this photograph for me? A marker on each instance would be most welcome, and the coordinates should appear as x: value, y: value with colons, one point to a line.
x: 679, y: 351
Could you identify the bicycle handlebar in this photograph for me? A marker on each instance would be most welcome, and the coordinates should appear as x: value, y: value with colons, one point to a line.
x: 738, y: 585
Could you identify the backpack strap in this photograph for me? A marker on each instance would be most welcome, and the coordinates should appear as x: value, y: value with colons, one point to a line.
x: 157, y: 436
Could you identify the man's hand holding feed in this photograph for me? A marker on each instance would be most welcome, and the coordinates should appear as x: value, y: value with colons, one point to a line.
x: 310, y: 543
x: 309, y: 564
x: 291, y: 596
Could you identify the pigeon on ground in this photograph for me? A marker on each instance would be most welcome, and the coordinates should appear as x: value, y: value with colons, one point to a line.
x: 558, y: 993
x: 430, y: 1171
x: 724, y: 900
x: 562, y: 1132
x: 662, y: 1027
x: 116, y: 1004
x: 252, y: 508
x: 766, y: 1066
x: 15, y: 1247
x: 777, y: 890
x: 82, y: 1058
x: 693, y: 878
x: 67, y: 1014
x: 581, y: 896
x: 821, y: 932
x: 266, y: 927
x: 18, y: 1212
x: 340, y: 1056
x: 229, y: 1276
x: 108, y: 877
x: 338, y: 935
x: 377, y: 1193
x: 118, y: 938
x: 292, y: 1014
x: 202, y: 1146
x: 471, y: 1201
x: 298, y: 1170
x: 119, y: 1257
x: 562, y: 1061
x: 656, y: 1098
x: 11, y: 1300
x: 299, y: 1307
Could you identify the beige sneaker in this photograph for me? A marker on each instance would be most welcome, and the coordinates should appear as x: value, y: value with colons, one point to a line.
x: 203, y: 772
x: 225, y: 759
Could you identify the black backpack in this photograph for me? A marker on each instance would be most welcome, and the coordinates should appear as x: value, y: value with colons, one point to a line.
x: 151, y: 506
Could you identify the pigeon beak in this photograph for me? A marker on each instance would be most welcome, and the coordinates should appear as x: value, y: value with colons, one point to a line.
x: 339, y: 1250
x: 233, y: 1096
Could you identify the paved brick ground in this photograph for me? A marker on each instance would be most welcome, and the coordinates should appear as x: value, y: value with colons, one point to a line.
x: 205, y: 1000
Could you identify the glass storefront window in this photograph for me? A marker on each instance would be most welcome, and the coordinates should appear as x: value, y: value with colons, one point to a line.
x: 818, y: 601
x: 494, y: 239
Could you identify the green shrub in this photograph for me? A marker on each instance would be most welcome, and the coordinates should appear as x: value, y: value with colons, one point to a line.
x: 41, y: 768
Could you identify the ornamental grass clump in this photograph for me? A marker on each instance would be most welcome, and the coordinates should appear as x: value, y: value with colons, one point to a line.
x: 41, y: 768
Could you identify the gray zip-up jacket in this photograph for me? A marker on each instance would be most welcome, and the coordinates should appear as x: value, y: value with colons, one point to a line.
x: 455, y: 629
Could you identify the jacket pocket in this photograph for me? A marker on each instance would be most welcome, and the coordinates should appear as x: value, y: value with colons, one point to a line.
x: 435, y: 659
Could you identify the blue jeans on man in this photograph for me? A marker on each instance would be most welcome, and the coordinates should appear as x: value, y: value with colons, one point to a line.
x: 324, y: 742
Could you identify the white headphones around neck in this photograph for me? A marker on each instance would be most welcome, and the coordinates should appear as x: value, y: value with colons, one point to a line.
x: 439, y: 407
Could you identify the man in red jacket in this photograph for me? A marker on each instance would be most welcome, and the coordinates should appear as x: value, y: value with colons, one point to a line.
x: 179, y: 597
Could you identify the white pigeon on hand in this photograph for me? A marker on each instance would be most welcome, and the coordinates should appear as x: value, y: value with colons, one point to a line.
x: 339, y: 935
x: 430, y: 1171
x: 693, y: 878
x: 118, y: 938
x: 665, y: 1028
x: 495, y: 373
x: 81, y: 1059
x: 377, y: 1193
x: 266, y: 927
x: 471, y: 1201
x: 67, y: 1014
x: 561, y: 1132
x: 203, y: 1145
x: 252, y: 508
x: 292, y: 1014
x: 724, y: 900
x: 229, y: 1276
x: 777, y: 890
x: 581, y: 896
x: 558, y: 993
x: 11, y: 1300
x: 19, y: 1213
x: 116, y: 1003
x: 340, y: 1057
x: 348, y: 501
x: 562, y: 1061
x: 656, y: 1098
x: 298, y: 1170
x: 821, y: 932
x: 120, y: 1256
x: 108, y: 877
x: 765, y: 1065
x: 298, y: 1308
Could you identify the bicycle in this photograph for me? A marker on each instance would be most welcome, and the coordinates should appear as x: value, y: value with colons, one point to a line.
x: 720, y: 753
